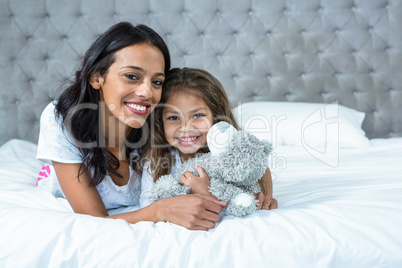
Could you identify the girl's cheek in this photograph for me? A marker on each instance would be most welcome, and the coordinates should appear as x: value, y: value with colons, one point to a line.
x: 169, y: 131
x: 204, y: 126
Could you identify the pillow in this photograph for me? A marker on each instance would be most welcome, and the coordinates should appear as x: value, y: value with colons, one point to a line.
x: 315, y: 125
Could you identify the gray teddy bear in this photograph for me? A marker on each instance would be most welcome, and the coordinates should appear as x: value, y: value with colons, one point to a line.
x: 235, y: 163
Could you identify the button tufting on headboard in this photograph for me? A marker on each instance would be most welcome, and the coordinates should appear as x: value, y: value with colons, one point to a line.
x: 312, y: 51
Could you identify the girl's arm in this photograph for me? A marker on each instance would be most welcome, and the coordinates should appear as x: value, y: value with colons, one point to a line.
x: 147, y: 181
x: 265, y: 199
x: 198, y: 185
x: 195, y: 212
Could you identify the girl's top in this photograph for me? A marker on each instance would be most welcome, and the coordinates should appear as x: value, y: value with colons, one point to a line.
x: 55, y: 144
x: 148, y: 180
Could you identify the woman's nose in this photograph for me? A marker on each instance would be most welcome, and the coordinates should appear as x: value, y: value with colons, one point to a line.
x: 145, y: 90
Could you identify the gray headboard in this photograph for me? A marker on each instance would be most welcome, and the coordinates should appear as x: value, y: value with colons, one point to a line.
x: 279, y: 50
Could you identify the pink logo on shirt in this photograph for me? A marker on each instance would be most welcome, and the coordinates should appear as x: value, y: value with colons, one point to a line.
x: 44, y: 173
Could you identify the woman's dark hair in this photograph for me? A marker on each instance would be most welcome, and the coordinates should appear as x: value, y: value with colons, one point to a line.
x: 78, y: 104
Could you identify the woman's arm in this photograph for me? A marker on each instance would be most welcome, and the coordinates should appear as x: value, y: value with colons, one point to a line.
x: 83, y: 197
x: 195, y: 212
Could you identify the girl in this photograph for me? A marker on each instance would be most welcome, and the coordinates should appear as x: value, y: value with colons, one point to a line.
x: 192, y: 101
x: 91, y: 136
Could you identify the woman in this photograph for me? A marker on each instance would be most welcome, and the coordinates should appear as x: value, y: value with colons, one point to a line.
x: 91, y: 135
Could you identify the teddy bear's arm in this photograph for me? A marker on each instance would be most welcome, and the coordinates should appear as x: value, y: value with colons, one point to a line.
x: 167, y: 186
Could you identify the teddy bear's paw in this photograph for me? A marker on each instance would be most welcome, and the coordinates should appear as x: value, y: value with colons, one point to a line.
x: 244, y: 200
x: 242, y: 205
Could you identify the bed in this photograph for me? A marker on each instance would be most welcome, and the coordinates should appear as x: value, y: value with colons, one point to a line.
x: 319, y: 79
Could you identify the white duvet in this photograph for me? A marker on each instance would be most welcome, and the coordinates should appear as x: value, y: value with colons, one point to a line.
x: 343, y: 215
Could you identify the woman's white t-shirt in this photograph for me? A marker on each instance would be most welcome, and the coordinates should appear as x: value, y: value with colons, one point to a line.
x: 55, y: 144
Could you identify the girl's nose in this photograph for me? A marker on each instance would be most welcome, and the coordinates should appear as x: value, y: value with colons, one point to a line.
x: 187, y: 126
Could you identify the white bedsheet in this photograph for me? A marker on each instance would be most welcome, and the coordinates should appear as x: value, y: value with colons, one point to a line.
x: 344, y: 216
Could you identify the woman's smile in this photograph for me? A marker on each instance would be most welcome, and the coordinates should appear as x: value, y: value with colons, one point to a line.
x: 138, y: 107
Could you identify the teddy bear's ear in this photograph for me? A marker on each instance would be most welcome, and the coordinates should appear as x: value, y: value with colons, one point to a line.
x: 219, y: 137
x: 267, y: 147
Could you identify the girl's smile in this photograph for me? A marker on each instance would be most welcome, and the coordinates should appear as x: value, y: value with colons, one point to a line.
x: 189, y: 140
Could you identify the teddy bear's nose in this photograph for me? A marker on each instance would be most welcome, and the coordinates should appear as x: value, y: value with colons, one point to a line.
x: 222, y: 126
x: 220, y: 136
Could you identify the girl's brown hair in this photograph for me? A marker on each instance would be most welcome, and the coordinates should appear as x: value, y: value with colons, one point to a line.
x: 185, y: 80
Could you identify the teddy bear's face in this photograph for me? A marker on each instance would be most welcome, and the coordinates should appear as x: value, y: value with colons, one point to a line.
x: 219, y: 137
x: 239, y: 157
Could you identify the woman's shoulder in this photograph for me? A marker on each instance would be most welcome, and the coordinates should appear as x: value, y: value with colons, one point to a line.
x: 54, y: 142
x: 51, y: 106
x: 49, y: 112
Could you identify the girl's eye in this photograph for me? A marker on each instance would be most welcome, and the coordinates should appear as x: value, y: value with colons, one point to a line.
x: 132, y: 76
x: 173, y: 117
x: 198, y: 115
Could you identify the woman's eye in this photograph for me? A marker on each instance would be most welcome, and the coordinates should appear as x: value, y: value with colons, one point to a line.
x: 158, y: 82
x: 132, y: 76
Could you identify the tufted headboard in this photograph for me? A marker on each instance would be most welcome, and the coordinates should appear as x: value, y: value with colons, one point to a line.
x: 348, y: 51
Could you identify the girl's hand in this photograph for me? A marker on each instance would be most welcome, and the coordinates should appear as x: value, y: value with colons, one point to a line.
x: 265, y: 201
x: 192, y: 211
x: 198, y: 185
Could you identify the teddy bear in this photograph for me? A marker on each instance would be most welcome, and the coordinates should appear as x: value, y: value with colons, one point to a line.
x: 236, y: 162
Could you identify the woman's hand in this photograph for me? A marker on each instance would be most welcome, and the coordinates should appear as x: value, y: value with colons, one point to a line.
x: 192, y: 211
x: 265, y: 201
x: 198, y: 185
